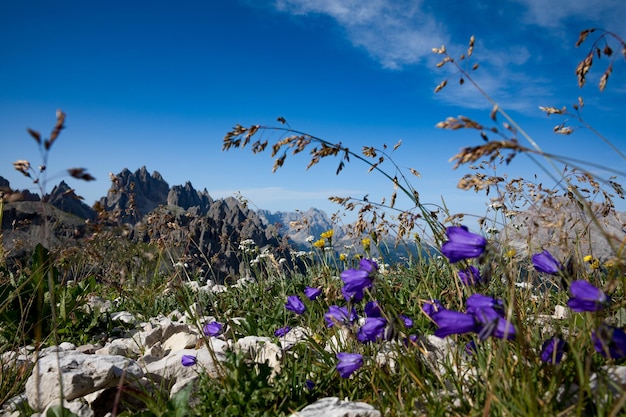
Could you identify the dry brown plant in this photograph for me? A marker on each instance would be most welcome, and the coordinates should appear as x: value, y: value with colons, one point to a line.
x: 38, y: 175
x: 574, y: 206
x: 372, y: 217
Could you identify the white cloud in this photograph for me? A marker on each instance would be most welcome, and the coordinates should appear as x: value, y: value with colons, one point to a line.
x: 554, y: 13
x: 396, y: 33
x: 399, y: 33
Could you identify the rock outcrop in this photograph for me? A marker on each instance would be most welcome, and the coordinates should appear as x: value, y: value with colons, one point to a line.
x: 9, y: 195
x: 28, y: 223
x: 209, y: 242
x: 198, y: 230
x: 185, y: 196
x: 64, y: 198
x: 134, y: 195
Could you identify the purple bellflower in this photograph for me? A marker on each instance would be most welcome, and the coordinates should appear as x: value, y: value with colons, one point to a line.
x: 586, y: 297
x: 609, y: 341
x: 493, y: 324
x: 552, y: 350
x: 470, y: 276
x: 412, y: 339
x: 312, y: 293
x: 348, y: 363
x: 462, y: 244
x: 368, y: 265
x: 282, y: 331
x: 188, y: 360
x: 489, y: 312
x: 408, y: 322
x: 295, y: 304
x: 309, y: 384
x: 453, y: 322
x: 470, y: 347
x: 373, y: 329
x: 545, y: 262
x: 476, y: 302
x: 372, y: 309
x: 432, y: 307
x: 357, y: 280
x: 213, y: 328
x: 339, y: 315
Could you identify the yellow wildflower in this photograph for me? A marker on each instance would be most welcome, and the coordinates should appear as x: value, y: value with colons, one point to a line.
x: 588, y: 258
x: 366, y: 243
x: 510, y: 253
x: 595, y: 264
x: 328, y: 234
x: 319, y: 243
x: 343, y: 257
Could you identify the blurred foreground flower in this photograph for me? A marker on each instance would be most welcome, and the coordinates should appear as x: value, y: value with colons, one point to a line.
x: 552, y: 350
x: 408, y: 322
x: 373, y: 329
x: 489, y: 312
x: 372, y: 309
x: 312, y: 293
x: 432, y: 307
x: 339, y: 315
x: 295, y: 304
x: 609, y: 341
x: 453, y: 322
x: 357, y: 280
x: 188, y: 360
x: 348, y: 363
x: 470, y: 276
x: 586, y: 297
x: 476, y: 302
x: 462, y: 244
x: 545, y: 262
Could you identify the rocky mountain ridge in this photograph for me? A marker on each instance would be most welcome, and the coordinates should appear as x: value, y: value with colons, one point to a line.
x: 208, y: 231
x: 199, y: 231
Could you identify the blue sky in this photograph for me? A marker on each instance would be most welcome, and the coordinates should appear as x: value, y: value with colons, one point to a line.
x: 159, y: 84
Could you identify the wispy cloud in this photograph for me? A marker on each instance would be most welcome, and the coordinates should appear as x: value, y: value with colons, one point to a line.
x: 395, y: 33
x: 402, y: 33
x: 502, y: 74
x: 556, y: 13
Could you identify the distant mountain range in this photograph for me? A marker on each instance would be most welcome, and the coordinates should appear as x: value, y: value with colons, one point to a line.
x: 147, y: 208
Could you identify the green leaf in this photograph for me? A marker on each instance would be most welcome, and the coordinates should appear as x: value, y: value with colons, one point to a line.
x: 59, y: 411
x: 179, y: 403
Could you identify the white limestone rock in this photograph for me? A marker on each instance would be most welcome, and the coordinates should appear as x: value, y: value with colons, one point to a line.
x: 180, y: 341
x: 334, y: 407
x: 171, y: 369
x: 260, y: 350
x: 80, y: 374
x: 293, y: 337
x: 78, y: 407
x: 124, y: 317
